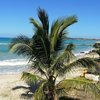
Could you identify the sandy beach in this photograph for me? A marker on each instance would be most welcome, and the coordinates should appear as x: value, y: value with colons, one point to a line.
x: 10, y: 81
x: 7, y: 83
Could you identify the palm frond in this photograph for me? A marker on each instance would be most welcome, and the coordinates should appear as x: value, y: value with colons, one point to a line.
x: 38, y: 67
x: 57, y: 31
x: 36, y: 24
x: 39, y: 94
x: 55, y: 27
x: 41, y: 48
x: 31, y: 78
x: 67, y: 22
x: 85, y: 62
x: 60, y: 63
x: 21, y: 39
x: 60, y: 42
x: 21, y: 49
x: 54, y: 36
x: 61, y: 92
x: 81, y: 84
x: 44, y: 20
x: 21, y: 44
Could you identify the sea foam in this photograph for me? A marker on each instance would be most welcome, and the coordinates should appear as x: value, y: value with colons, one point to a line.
x: 13, y: 62
x: 4, y: 43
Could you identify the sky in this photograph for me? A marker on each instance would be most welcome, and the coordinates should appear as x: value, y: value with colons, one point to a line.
x: 15, y: 15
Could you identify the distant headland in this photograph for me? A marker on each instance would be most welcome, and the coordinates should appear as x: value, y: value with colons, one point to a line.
x: 83, y: 38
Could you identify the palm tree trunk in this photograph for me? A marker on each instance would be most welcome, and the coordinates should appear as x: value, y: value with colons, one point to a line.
x: 52, y: 96
x: 51, y: 88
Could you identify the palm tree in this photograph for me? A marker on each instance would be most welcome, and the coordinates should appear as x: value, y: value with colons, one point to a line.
x: 48, y: 61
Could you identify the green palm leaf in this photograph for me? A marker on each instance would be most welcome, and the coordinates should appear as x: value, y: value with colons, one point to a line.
x: 20, y: 39
x: 21, y: 45
x: 60, y: 63
x: 67, y: 22
x: 44, y: 20
x: 39, y: 94
x: 88, y: 63
x: 65, y: 58
x: 36, y: 24
x: 21, y: 49
x: 80, y: 84
x: 57, y: 30
x: 31, y: 78
x: 38, y: 67
x: 85, y: 62
x: 54, y: 33
x: 41, y: 48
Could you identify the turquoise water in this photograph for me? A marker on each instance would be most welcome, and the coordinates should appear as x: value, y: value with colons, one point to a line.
x: 81, y: 45
x: 10, y: 63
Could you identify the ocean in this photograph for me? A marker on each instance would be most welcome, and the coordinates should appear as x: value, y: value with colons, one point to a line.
x: 12, y: 63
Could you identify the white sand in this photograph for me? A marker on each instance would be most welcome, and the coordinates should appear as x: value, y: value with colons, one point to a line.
x: 9, y: 81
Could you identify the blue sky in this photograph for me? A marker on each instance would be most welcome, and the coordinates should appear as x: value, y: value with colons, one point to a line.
x: 15, y: 14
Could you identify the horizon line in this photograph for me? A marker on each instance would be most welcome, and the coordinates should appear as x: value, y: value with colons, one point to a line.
x: 66, y: 38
